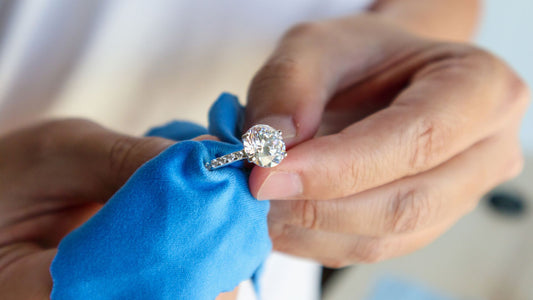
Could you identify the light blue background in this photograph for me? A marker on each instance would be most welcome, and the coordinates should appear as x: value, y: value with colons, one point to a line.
x: 507, y: 30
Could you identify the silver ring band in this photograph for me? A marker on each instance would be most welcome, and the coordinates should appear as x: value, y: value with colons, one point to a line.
x: 263, y: 146
x: 225, y: 160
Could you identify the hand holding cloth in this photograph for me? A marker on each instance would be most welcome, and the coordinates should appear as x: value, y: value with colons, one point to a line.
x: 175, y: 230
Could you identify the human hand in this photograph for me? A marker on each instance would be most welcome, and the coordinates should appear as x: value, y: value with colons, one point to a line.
x: 53, y: 177
x: 392, y: 137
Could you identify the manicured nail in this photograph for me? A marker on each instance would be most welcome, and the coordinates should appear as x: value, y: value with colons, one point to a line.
x: 284, y: 123
x: 280, y: 185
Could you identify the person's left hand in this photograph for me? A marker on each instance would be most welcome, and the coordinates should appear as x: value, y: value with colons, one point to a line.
x: 392, y: 137
x: 53, y: 177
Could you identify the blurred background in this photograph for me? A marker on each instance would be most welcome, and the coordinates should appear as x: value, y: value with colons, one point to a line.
x: 489, y: 253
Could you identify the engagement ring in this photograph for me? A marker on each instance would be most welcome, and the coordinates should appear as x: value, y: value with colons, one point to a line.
x: 263, y: 146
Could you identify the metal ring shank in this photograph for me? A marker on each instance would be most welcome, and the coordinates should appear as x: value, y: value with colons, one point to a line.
x: 226, y: 160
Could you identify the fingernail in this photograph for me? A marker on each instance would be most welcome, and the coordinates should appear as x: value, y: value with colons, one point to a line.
x: 280, y: 185
x: 284, y: 123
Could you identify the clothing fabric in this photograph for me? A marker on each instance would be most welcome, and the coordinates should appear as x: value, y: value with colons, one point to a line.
x: 175, y: 230
x: 130, y: 63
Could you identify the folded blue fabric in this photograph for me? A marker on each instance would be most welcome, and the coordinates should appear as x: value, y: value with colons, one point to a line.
x: 175, y: 230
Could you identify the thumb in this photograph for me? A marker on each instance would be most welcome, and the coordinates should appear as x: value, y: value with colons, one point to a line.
x: 315, y: 62
x: 290, y: 91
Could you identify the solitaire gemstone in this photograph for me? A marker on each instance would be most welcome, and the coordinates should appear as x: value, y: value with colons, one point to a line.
x: 264, y: 146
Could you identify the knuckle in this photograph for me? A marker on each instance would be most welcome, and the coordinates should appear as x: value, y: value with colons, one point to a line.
x: 525, y: 92
x: 308, y: 213
x: 279, y: 234
x: 514, y: 165
x: 409, y: 210
x: 447, y: 60
x: 127, y: 153
x: 119, y: 154
x: 518, y: 93
x: 353, y: 177
x: 485, y: 57
x: 427, y: 136
x: 452, y: 61
x: 478, y: 58
x: 471, y: 204
x: 369, y: 250
x: 515, y: 91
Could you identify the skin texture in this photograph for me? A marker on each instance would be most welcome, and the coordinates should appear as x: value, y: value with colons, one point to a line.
x: 393, y: 136
x: 53, y: 177
x: 410, y: 131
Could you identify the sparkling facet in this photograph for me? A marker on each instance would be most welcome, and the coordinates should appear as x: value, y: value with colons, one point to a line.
x: 264, y: 146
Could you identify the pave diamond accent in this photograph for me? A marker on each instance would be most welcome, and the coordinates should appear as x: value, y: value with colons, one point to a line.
x: 264, y: 146
x: 226, y: 159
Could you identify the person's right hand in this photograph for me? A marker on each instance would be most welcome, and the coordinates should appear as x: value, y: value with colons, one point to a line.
x: 392, y: 137
x: 53, y: 177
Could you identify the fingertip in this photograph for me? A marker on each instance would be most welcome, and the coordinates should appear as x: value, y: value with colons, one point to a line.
x: 285, y: 123
x: 256, y: 179
x: 296, y: 126
x: 293, y: 103
x: 275, y: 184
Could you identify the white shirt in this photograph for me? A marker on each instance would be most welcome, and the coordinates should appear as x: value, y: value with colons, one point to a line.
x: 133, y: 64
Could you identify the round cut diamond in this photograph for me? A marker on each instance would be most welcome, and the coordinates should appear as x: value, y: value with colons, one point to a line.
x: 264, y: 146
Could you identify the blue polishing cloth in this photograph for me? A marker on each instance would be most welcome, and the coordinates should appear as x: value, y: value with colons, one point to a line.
x: 175, y: 230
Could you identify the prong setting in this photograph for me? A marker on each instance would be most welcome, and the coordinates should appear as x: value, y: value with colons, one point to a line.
x: 263, y: 146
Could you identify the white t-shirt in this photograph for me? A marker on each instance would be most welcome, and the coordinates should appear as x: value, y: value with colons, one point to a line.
x: 133, y: 64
